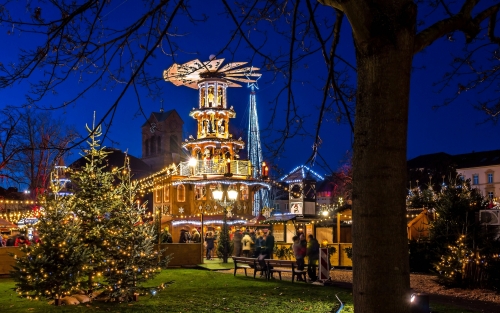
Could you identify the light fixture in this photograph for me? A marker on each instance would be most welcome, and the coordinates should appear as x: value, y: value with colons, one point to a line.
x: 232, y: 194
x: 419, y: 303
x: 217, y: 194
x: 192, y: 162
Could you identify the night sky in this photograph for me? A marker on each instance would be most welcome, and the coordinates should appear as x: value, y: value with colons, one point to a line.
x: 457, y: 128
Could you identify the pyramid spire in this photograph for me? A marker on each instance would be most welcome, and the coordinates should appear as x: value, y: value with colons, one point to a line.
x: 261, y: 197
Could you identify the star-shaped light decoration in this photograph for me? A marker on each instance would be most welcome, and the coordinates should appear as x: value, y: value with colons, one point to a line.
x: 191, y: 73
x: 253, y: 85
x: 181, y: 210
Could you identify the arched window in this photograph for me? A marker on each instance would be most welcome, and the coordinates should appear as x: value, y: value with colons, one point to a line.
x: 181, y: 193
x: 166, y: 194
x: 158, y: 142
x: 244, y: 192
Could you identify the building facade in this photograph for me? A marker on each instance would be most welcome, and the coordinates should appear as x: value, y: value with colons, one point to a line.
x: 481, y: 168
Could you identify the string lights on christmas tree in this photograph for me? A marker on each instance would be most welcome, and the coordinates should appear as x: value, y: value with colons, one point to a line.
x: 92, y: 239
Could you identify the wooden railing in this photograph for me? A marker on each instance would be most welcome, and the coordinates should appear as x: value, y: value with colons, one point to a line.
x: 209, y: 167
x: 338, y: 259
x: 7, y: 261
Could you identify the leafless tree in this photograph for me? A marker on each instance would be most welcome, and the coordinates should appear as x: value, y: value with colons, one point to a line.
x: 33, y: 142
x: 82, y: 39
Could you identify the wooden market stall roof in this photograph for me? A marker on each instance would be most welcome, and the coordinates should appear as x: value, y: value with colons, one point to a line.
x: 6, y: 225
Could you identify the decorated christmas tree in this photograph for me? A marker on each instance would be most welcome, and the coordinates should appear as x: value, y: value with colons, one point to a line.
x: 94, y: 200
x: 452, y: 268
x: 131, y: 257
x: 52, y: 267
x: 224, y: 244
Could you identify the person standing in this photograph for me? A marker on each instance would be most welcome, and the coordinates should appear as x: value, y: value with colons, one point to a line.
x: 209, y: 239
x: 184, y: 237
x: 166, y: 237
x: 269, y: 245
x: 247, y: 245
x: 299, y: 251
x: 195, y: 236
x: 252, y: 245
x: 21, y: 240
x: 237, y: 237
x: 312, y: 258
x: 259, y: 243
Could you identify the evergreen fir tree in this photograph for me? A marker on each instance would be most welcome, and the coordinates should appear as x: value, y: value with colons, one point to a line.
x: 95, y: 198
x: 52, y: 267
x: 224, y: 245
x: 452, y: 268
x: 131, y: 257
x: 455, y: 208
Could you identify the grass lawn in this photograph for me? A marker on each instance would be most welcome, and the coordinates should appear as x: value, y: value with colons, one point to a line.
x: 208, y: 291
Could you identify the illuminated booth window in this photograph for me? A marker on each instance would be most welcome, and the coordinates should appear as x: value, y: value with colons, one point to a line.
x: 244, y: 192
x: 181, y: 193
x: 166, y: 194
x: 158, y: 195
x: 200, y: 192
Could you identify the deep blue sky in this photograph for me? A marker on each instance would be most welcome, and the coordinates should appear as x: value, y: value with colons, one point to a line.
x: 453, y: 129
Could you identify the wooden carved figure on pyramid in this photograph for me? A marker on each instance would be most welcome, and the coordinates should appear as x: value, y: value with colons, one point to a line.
x: 206, y: 155
x: 219, y: 97
x: 211, y: 98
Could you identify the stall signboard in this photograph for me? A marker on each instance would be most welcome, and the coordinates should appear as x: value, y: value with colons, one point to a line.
x: 296, y: 208
x: 279, y: 232
x: 27, y: 221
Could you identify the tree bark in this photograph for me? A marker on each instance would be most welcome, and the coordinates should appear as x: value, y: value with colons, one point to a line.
x: 384, y: 52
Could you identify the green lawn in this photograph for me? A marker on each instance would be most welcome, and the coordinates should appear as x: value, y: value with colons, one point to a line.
x: 208, y: 291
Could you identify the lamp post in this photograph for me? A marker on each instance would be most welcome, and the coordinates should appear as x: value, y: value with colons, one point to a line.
x: 225, y: 201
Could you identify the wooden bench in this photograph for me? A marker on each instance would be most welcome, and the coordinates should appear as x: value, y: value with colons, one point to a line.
x: 246, y: 263
x: 279, y: 266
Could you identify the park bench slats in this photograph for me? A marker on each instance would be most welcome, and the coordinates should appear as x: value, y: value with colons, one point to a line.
x: 288, y: 266
x: 246, y: 263
x: 272, y: 266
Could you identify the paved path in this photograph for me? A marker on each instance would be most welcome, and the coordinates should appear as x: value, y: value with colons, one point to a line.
x: 472, y: 305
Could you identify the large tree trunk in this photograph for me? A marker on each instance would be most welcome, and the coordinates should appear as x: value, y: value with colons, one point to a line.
x: 384, y: 50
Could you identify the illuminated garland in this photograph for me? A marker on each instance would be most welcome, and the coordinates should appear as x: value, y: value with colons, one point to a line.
x: 223, y: 182
x: 210, y: 222
x: 19, y: 201
x: 302, y: 167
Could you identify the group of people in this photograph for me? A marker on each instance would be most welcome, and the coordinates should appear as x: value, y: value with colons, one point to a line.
x: 17, y: 241
x: 190, y: 237
x: 257, y: 244
x: 253, y: 244
x: 261, y: 245
x: 302, y: 248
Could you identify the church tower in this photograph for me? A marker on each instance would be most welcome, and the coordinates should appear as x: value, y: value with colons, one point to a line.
x: 161, y: 139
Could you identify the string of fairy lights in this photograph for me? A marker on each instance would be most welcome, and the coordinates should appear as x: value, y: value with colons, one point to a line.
x: 164, y: 178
